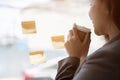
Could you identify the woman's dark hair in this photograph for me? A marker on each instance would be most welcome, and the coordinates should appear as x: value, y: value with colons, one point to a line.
x: 113, y: 7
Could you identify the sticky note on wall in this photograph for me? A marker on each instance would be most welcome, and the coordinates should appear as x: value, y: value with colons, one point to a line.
x: 58, y: 41
x: 28, y: 27
x: 37, y: 57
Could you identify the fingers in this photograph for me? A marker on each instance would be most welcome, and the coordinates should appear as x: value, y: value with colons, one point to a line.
x: 70, y: 34
x: 75, y: 32
x: 87, y: 38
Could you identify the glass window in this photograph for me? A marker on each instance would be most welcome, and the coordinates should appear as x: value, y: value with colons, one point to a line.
x: 40, y: 42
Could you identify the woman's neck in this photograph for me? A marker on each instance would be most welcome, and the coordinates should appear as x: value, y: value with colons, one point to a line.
x: 113, y: 31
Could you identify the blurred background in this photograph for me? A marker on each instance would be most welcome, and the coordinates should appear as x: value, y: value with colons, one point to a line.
x: 53, y: 18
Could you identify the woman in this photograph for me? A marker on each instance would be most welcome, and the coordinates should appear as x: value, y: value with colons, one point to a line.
x: 103, y: 64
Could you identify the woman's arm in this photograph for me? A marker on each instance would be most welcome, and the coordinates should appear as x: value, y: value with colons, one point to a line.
x: 77, y: 50
x: 67, y: 68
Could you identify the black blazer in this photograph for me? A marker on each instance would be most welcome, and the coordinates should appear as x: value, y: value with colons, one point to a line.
x: 103, y: 64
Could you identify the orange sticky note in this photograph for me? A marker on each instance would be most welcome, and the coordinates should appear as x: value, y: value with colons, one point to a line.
x: 28, y: 27
x: 37, y: 57
x: 58, y: 41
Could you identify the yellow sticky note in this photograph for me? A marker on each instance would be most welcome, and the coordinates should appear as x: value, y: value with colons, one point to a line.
x: 28, y: 27
x: 58, y: 41
x: 37, y: 57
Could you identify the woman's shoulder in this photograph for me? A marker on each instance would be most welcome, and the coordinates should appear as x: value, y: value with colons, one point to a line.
x: 112, y: 48
x: 108, y: 55
x: 108, y: 51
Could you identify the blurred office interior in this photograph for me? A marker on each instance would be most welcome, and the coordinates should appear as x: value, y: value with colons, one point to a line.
x: 53, y: 18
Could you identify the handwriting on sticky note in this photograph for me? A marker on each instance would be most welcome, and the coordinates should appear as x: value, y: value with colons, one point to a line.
x: 58, y: 41
x: 37, y: 57
x: 28, y: 27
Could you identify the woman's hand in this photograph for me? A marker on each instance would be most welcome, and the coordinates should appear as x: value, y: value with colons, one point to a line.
x: 75, y: 47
